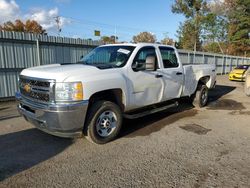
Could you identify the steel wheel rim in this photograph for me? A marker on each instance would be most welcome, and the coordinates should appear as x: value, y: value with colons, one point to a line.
x: 106, y: 123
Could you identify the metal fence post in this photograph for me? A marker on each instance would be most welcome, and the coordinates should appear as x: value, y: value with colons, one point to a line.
x: 194, y: 57
x: 222, y: 67
x: 231, y: 63
x: 227, y: 64
x: 38, y: 52
x: 215, y: 64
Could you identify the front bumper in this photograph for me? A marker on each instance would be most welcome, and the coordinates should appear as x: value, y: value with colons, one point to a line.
x: 63, y: 120
x: 236, y: 77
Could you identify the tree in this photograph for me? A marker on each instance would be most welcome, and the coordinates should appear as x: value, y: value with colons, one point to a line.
x: 168, y: 41
x: 34, y: 27
x: 214, y: 33
x: 144, y: 37
x: 30, y: 26
x: 215, y: 47
x: 109, y: 40
x: 187, y: 38
x: 239, y: 27
x: 195, y: 11
x: 214, y: 28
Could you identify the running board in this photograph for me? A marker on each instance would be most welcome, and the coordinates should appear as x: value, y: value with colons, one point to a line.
x: 151, y: 111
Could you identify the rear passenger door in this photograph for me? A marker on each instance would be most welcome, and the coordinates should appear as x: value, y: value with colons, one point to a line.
x: 172, y: 72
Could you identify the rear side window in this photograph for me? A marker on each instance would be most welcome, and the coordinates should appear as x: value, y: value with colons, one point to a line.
x: 168, y: 57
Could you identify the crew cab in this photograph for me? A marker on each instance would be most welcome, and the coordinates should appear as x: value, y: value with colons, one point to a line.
x: 91, y: 97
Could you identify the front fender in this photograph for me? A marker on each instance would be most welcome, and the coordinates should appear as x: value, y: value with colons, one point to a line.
x: 102, y: 82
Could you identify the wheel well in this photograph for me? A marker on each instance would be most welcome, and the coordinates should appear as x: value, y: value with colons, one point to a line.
x: 113, y: 95
x: 204, y: 80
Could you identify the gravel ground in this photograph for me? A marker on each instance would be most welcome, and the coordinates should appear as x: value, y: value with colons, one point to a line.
x: 187, y: 147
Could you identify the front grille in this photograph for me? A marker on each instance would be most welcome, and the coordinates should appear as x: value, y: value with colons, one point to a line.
x: 38, y: 90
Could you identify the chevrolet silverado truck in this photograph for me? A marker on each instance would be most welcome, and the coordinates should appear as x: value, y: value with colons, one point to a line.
x: 91, y: 97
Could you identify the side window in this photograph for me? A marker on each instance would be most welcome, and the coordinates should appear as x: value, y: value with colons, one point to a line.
x: 140, y: 59
x: 168, y: 57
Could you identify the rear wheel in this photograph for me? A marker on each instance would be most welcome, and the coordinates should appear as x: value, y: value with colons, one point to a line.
x: 200, y: 97
x: 104, y: 122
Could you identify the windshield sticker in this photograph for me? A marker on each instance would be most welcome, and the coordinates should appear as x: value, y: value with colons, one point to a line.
x: 124, y: 51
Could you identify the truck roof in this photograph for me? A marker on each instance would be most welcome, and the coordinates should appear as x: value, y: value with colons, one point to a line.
x: 138, y: 44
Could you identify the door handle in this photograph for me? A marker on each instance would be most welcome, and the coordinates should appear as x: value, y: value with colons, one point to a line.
x: 179, y: 73
x: 158, y: 75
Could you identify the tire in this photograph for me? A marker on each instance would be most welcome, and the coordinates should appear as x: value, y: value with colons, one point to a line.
x: 200, y: 97
x: 103, y: 123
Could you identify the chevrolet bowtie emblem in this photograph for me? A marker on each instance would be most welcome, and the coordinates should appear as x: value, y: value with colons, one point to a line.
x: 27, y: 88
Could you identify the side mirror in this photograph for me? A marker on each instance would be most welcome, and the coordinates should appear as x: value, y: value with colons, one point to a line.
x: 81, y: 56
x: 135, y: 65
x: 150, y: 63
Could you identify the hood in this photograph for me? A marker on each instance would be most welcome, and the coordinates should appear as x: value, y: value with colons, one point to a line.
x: 60, y: 72
x: 238, y: 71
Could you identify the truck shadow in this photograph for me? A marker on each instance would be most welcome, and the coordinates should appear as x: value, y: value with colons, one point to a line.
x: 219, y: 91
x: 155, y: 122
x: 24, y: 149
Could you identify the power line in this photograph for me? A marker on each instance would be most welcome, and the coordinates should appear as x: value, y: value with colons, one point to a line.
x: 84, y: 21
x: 123, y: 32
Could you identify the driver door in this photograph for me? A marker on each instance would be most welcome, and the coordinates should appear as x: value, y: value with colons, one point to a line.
x: 147, y: 87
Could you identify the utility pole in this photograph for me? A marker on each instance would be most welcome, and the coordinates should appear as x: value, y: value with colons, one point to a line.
x: 59, y: 29
x: 220, y: 47
x: 195, y: 37
x: 115, y: 34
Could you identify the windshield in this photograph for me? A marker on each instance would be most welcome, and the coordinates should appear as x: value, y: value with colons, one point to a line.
x: 242, y: 67
x: 108, y: 56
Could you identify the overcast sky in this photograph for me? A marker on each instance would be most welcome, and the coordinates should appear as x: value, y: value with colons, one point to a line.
x: 79, y: 18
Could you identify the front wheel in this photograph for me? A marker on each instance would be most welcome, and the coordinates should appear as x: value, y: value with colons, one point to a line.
x: 200, y: 97
x: 103, y: 123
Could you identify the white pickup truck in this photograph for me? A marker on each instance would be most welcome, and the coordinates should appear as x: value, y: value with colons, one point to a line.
x: 92, y: 96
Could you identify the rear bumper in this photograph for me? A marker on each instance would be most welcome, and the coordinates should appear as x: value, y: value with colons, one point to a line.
x: 63, y: 120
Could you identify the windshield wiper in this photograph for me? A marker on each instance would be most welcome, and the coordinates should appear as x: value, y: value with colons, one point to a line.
x: 97, y: 64
x: 82, y: 62
x: 103, y: 65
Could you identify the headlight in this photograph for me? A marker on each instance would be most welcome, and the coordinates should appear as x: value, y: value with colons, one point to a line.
x: 71, y: 91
